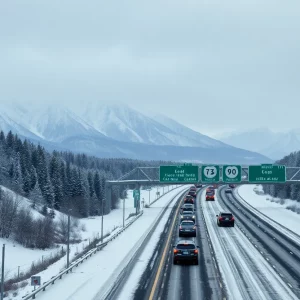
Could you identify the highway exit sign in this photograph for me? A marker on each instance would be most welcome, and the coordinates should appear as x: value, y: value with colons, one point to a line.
x: 181, y: 173
x: 267, y: 173
x: 210, y: 173
x: 232, y: 174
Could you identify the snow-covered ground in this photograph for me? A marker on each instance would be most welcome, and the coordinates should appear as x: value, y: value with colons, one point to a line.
x: 19, y: 257
x: 99, y: 272
x: 276, y: 211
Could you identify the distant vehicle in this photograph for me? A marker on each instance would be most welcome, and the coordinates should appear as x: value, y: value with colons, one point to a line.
x: 193, y: 188
x: 193, y: 193
x: 198, y: 186
x: 210, y: 196
x: 225, y: 219
x: 228, y: 191
x: 188, y: 205
x: 210, y: 189
x: 232, y: 186
x: 215, y: 186
x: 185, y: 251
x: 188, y: 216
x: 187, y: 228
x: 189, y: 199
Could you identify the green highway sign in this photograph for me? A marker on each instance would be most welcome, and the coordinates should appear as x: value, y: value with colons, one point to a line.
x: 232, y: 174
x: 210, y: 173
x: 182, y: 173
x: 136, y: 193
x: 136, y: 196
x: 267, y: 173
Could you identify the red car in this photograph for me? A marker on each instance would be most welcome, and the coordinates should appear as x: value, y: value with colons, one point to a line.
x: 210, y: 196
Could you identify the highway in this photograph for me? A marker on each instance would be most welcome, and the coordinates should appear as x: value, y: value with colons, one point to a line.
x: 232, y: 265
x: 190, y: 282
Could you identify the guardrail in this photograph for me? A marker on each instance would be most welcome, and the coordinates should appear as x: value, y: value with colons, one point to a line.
x: 79, y: 261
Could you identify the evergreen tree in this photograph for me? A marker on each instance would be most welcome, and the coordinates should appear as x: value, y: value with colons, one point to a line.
x: 36, y: 196
x: 26, y: 183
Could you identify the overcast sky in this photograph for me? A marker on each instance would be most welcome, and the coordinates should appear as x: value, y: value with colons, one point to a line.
x: 211, y: 65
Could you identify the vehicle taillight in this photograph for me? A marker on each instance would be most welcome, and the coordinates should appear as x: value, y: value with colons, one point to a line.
x: 220, y: 218
x: 180, y: 227
x: 175, y: 251
x: 196, y: 251
x: 232, y: 219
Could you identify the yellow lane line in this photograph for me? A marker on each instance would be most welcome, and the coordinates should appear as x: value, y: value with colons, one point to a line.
x: 163, y: 257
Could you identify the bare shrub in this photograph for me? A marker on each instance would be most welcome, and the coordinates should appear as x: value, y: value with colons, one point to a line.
x: 8, y: 212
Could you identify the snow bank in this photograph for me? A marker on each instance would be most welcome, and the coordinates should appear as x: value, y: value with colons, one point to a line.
x: 99, y: 271
x: 253, y: 195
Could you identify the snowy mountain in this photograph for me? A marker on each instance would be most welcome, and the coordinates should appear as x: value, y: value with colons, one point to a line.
x: 123, y: 123
x: 272, y: 144
x: 116, y: 130
x: 53, y: 124
x: 185, y: 136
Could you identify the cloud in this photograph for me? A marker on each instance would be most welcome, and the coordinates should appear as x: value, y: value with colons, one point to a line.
x: 209, y: 64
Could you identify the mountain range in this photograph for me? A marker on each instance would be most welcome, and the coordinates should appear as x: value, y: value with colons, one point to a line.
x: 117, y: 130
x: 272, y: 144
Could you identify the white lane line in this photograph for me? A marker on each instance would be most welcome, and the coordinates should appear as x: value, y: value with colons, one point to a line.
x: 291, y: 252
x: 290, y: 285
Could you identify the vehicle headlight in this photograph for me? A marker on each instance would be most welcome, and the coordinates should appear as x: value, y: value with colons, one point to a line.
x: 193, y: 217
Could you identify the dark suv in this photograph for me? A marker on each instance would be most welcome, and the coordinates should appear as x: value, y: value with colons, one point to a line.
x: 225, y: 219
x: 185, y: 251
x: 187, y: 228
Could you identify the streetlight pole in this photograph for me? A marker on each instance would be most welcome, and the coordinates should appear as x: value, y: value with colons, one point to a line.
x: 68, y: 241
x: 2, y: 276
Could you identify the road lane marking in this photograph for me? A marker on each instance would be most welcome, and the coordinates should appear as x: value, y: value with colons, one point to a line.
x: 151, y: 297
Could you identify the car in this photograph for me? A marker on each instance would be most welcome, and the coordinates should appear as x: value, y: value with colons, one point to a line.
x: 210, y: 196
x: 189, y: 199
x: 232, y: 186
x: 187, y: 205
x: 228, y: 191
x: 187, y: 209
x: 193, y: 193
x: 187, y: 228
x: 225, y: 219
x: 198, y: 186
x: 193, y: 188
x: 187, y: 216
x: 185, y: 251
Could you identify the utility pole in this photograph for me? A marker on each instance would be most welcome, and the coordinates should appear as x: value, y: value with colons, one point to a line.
x: 123, y: 212
x: 2, y: 276
x: 102, y: 218
x: 68, y: 242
